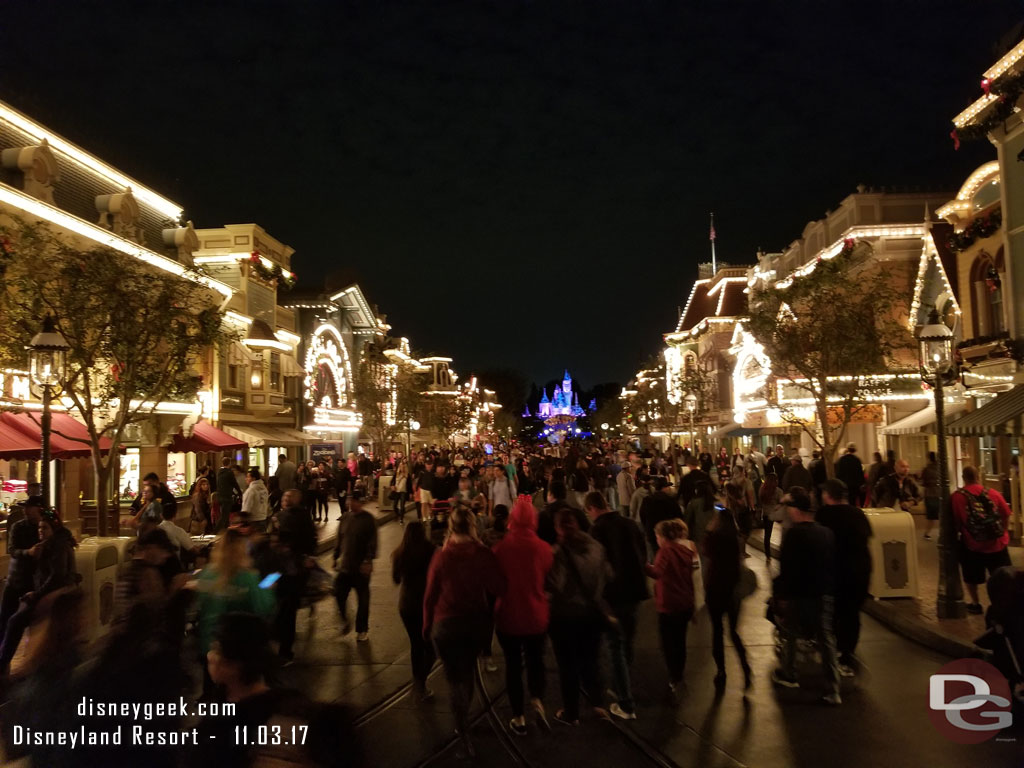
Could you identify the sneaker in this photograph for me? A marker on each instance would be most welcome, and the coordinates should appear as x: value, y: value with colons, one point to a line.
x: 779, y: 677
x: 975, y: 608
x: 489, y: 664
x: 620, y: 713
x: 362, y: 637
x: 845, y: 670
x: 560, y: 718
x: 542, y: 717
x: 832, y: 699
x: 602, y: 714
x: 518, y: 726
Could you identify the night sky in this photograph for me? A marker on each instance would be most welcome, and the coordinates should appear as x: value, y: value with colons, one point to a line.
x: 514, y: 183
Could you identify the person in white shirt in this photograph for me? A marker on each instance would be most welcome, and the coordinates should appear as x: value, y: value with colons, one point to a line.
x: 178, y: 536
x: 256, y: 500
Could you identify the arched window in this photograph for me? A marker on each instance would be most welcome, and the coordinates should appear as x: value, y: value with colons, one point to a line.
x: 987, y: 294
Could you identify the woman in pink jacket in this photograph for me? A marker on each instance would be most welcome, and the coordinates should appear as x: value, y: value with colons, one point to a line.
x: 521, y: 614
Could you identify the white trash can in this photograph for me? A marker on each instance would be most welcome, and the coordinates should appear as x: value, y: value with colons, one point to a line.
x: 893, y: 546
x: 98, y: 560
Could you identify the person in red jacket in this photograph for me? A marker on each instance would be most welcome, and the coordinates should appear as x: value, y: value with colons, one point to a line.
x: 457, y: 609
x: 981, y: 516
x: 673, y: 594
x: 522, y: 614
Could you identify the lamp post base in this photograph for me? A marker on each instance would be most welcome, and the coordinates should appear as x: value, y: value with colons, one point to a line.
x: 950, y: 609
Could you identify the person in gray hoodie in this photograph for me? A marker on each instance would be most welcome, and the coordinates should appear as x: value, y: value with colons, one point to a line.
x: 579, y: 615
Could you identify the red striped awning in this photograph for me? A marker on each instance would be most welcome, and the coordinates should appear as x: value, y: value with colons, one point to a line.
x: 69, y: 439
x: 205, y: 438
x: 14, y: 444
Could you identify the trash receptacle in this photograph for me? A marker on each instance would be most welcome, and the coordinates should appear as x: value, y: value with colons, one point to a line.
x: 98, y: 559
x: 384, y: 492
x: 893, y: 545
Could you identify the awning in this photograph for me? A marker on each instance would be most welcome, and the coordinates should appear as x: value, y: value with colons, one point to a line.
x: 922, y: 422
x: 17, y: 445
x: 69, y: 439
x: 267, y: 435
x: 1002, y: 416
x: 205, y: 438
x: 733, y: 430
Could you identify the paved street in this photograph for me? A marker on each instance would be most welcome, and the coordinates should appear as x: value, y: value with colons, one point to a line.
x: 883, y: 721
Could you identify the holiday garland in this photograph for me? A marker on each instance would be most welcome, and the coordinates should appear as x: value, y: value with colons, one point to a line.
x: 980, y: 228
x: 1008, y: 88
x: 271, y: 274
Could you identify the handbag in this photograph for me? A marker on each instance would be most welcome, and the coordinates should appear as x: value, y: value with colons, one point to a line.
x: 746, y: 585
x: 608, y: 619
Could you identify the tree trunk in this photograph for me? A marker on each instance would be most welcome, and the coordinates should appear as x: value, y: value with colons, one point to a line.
x: 828, y: 449
x: 101, y: 473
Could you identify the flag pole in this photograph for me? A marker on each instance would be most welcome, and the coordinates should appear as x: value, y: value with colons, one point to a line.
x: 714, y: 261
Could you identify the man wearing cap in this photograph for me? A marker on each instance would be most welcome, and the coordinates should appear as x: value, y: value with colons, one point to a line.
x: 804, y: 592
x: 357, y: 548
x: 21, y: 539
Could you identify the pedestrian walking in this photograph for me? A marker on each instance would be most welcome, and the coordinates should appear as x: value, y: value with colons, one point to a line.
x: 410, y: 564
x: 22, y: 538
x: 295, y: 549
x: 804, y: 593
x: 285, y: 473
x: 579, y: 616
x: 522, y: 613
x: 655, y: 508
x: 850, y: 470
x: 673, y: 595
x: 898, y: 489
x: 356, y: 549
x: 721, y: 584
x: 400, y: 485
x: 256, y: 501
x: 627, y: 553
x: 772, y: 511
x: 457, y: 609
x: 851, y: 530
x: 930, y: 487
x: 981, y: 516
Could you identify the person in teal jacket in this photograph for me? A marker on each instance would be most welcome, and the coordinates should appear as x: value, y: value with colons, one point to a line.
x: 229, y: 585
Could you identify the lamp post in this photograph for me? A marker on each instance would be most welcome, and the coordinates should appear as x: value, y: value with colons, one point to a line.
x: 935, y: 349
x: 410, y: 427
x: 691, y: 407
x: 47, y: 355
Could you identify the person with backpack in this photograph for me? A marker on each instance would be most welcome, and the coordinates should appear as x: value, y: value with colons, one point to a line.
x: 981, y: 516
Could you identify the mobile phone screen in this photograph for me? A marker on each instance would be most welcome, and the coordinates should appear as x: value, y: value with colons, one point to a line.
x: 268, y: 582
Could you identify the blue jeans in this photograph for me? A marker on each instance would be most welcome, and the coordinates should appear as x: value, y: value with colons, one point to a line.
x: 620, y: 649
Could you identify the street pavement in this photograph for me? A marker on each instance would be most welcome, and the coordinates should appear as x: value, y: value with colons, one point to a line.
x: 883, y: 720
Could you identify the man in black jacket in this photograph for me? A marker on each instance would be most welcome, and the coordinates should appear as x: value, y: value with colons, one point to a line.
x: 547, y: 517
x: 21, y: 540
x: 804, y: 592
x: 657, y: 507
x: 624, y: 546
x: 850, y: 470
x: 357, y: 548
x: 851, y: 529
x: 296, y: 548
x: 228, y: 493
x: 688, y: 485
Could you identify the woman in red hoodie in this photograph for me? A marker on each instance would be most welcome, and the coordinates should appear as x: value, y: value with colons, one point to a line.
x: 522, y: 614
x: 457, y: 611
x: 673, y: 594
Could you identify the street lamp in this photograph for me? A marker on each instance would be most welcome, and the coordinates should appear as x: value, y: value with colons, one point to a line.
x: 935, y: 350
x: 47, y: 356
x: 410, y: 427
x: 691, y: 407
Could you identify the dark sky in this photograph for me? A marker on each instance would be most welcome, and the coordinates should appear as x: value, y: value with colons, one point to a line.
x: 516, y: 183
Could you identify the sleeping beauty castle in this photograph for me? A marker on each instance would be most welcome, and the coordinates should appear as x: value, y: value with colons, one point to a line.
x: 560, y: 411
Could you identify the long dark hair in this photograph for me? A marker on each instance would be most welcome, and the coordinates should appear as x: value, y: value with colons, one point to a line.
x: 415, y: 547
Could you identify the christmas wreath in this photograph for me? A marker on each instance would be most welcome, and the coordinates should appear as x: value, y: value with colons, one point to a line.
x: 271, y: 274
x: 980, y: 228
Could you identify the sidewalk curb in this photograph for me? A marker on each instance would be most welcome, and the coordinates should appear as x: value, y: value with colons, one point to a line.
x: 891, y: 618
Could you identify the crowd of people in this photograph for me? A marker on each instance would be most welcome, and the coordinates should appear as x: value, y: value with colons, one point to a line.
x: 526, y: 548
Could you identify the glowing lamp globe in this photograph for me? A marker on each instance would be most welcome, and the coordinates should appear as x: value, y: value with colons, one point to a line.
x: 935, y: 346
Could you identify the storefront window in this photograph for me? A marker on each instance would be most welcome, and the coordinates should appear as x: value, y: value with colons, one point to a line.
x: 128, y: 482
x: 181, y: 469
x: 988, y: 455
x: 275, y: 371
